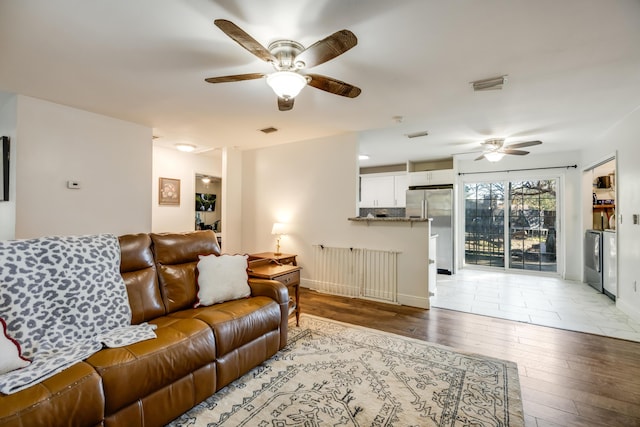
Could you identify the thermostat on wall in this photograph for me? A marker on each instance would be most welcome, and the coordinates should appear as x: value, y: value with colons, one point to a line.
x: 74, y: 185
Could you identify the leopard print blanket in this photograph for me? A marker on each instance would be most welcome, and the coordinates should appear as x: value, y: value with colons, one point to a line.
x: 62, y: 299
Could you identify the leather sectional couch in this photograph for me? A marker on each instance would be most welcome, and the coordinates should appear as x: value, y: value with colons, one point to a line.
x: 197, y: 350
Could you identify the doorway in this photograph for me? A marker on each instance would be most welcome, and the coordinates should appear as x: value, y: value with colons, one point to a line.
x: 208, y: 203
x: 512, y: 224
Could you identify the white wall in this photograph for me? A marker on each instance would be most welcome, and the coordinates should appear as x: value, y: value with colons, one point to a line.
x: 8, y: 124
x: 232, y: 188
x: 171, y: 163
x: 624, y: 140
x: 110, y: 158
x: 570, y: 247
x: 312, y: 186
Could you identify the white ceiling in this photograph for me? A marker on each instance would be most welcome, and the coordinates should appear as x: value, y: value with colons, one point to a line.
x: 573, y: 69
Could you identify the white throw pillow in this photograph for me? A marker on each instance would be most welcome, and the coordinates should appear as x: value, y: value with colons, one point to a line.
x: 222, y: 278
x: 10, y: 357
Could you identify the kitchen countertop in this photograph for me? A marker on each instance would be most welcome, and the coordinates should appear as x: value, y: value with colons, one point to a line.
x: 388, y: 219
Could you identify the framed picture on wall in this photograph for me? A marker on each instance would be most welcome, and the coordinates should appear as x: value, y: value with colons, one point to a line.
x: 205, y: 202
x: 169, y: 191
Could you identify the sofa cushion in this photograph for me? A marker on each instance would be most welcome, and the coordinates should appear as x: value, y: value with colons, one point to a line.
x: 176, y: 256
x: 222, y: 278
x: 236, y: 323
x: 132, y: 372
x: 73, y: 397
x: 138, y: 270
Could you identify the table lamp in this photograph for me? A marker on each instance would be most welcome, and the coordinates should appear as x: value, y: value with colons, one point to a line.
x: 279, y: 230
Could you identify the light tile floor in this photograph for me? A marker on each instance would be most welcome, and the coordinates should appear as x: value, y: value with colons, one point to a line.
x: 541, y: 300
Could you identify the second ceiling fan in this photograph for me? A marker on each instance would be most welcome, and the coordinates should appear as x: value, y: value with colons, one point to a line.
x: 495, y: 149
x: 288, y: 58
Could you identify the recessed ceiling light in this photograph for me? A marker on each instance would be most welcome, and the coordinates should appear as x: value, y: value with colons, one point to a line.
x: 187, y: 148
x: 363, y: 157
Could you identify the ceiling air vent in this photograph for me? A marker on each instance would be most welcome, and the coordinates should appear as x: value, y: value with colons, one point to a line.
x: 494, y: 83
x: 269, y: 130
x: 417, y: 134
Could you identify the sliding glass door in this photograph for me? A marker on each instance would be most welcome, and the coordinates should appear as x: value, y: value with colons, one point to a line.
x: 511, y: 224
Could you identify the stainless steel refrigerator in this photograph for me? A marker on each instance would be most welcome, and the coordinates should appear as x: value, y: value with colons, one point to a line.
x: 435, y: 202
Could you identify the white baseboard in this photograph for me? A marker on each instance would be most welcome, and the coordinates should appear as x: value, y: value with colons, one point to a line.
x: 413, y: 301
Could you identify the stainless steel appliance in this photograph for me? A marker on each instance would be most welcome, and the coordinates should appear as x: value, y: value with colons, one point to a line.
x: 435, y: 202
x: 593, y: 259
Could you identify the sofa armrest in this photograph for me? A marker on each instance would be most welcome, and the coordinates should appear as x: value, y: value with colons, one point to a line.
x: 280, y: 294
x: 269, y: 288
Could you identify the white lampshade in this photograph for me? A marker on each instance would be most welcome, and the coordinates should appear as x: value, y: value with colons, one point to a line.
x: 494, y: 156
x: 286, y: 84
x: 278, y: 229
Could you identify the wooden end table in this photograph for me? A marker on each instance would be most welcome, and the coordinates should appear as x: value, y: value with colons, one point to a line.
x: 288, y: 275
x: 281, y: 258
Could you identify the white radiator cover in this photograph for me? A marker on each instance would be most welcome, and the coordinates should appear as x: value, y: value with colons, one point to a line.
x: 356, y: 272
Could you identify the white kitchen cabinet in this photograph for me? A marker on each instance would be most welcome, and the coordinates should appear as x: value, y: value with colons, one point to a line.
x: 401, y: 185
x: 434, y: 177
x: 383, y: 191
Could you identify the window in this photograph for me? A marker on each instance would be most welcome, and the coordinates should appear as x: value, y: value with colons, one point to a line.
x: 528, y: 241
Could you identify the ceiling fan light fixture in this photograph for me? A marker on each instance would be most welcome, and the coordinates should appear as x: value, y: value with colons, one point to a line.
x: 286, y: 84
x: 494, y: 156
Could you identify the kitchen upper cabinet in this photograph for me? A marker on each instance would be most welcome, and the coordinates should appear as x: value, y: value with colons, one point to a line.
x: 401, y: 185
x: 383, y: 191
x: 432, y: 177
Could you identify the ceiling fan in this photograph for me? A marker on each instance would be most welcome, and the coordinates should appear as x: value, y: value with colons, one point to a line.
x: 288, y: 58
x: 495, y: 149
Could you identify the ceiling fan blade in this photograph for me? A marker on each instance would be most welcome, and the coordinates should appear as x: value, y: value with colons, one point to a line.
x: 514, y: 152
x: 285, y: 104
x: 479, y: 158
x: 234, y: 78
x: 335, y: 86
x: 244, y: 39
x: 524, y: 144
x: 326, y: 49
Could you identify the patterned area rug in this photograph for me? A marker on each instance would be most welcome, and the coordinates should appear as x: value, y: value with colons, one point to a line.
x: 334, y: 374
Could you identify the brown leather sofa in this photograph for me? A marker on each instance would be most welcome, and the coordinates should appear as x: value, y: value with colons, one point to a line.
x: 197, y: 350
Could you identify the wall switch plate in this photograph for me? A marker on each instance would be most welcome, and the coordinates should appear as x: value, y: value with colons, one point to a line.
x: 74, y: 185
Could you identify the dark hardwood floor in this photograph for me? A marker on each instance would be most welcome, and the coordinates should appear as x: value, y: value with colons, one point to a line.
x: 567, y: 378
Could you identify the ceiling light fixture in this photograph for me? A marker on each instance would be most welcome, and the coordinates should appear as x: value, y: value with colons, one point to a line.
x: 205, y: 180
x: 187, y: 148
x: 494, y: 156
x: 286, y: 84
